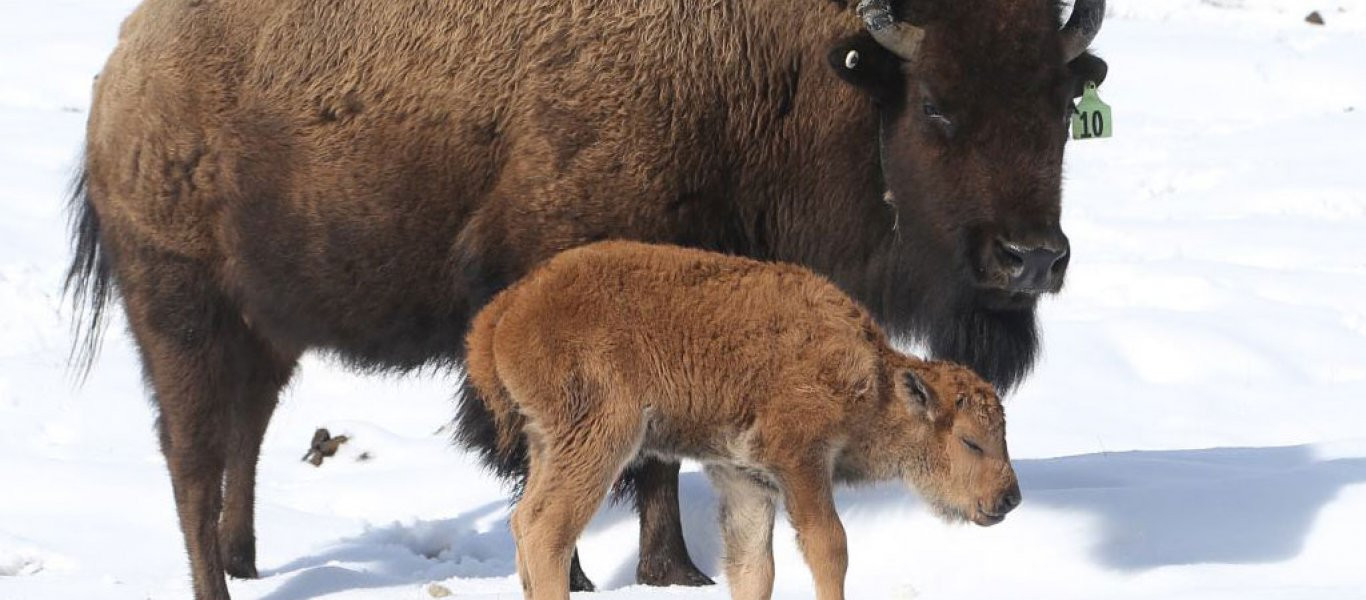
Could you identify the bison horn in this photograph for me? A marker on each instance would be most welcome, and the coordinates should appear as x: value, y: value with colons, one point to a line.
x: 1082, y: 27
x: 899, y: 37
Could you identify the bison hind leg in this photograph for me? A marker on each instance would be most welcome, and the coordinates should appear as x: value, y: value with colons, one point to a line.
x: 265, y: 373
x: 215, y: 384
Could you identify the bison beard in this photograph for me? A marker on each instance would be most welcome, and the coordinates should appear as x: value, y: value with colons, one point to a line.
x: 1000, y: 345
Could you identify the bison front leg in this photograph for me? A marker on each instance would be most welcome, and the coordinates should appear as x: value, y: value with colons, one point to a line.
x: 810, y: 504
x: 747, y: 511
x: 664, y: 556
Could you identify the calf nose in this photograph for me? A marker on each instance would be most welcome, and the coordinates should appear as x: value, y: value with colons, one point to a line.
x: 1009, y: 500
x: 1034, y: 269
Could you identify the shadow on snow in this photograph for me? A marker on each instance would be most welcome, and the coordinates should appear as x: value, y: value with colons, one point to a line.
x: 1225, y: 505
x: 1156, y: 508
x: 402, y: 554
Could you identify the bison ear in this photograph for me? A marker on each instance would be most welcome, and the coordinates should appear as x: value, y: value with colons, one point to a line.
x: 1087, y: 68
x: 862, y: 62
x: 919, y: 394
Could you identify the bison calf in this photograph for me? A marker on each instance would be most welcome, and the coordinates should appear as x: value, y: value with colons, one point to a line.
x: 767, y: 373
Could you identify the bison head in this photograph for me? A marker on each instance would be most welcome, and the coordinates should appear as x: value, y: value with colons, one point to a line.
x: 974, y: 101
x: 960, y: 463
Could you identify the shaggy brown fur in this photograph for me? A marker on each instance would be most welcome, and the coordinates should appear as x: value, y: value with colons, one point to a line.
x: 264, y: 177
x: 768, y: 373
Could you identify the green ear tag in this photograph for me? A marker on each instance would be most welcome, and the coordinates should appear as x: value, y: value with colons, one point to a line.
x: 1092, y: 117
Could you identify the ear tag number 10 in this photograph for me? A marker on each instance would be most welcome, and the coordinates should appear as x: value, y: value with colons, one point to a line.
x: 1091, y: 119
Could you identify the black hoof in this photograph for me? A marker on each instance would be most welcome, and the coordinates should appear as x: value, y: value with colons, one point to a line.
x: 578, y: 580
x: 671, y: 572
x: 240, y: 567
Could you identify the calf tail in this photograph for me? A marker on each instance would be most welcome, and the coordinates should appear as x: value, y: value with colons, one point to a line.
x: 487, y: 420
x: 89, y: 280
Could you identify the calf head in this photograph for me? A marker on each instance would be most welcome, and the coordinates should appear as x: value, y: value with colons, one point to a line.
x: 959, y: 461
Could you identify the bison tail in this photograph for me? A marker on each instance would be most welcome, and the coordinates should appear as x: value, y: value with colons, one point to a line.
x: 487, y: 420
x: 89, y: 280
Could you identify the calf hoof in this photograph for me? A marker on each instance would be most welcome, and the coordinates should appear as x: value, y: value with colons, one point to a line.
x: 666, y: 572
x: 240, y: 566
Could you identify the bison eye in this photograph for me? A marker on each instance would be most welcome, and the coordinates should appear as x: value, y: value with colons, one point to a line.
x: 933, y: 113
x: 972, y: 446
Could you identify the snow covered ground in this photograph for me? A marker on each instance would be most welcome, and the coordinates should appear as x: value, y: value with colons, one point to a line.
x: 1197, y: 428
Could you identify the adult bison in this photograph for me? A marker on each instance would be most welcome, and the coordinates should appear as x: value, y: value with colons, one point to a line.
x: 264, y: 177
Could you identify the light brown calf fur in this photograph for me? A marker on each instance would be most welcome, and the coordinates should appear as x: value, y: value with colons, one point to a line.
x: 765, y: 372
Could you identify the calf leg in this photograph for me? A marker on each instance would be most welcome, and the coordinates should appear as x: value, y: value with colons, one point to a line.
x: 664, y: 556
x: 554, y: 510
x: 518, y: 537
x: 747, y: 511
x: 811, y: 506
x: 571, y: 473
x: 578, y: 580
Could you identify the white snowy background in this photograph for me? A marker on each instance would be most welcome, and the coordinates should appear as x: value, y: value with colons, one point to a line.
x: 1195, y: 429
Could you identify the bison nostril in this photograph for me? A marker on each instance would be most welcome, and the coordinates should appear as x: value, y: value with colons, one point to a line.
x: 1058, y: 263
x: 1032, y: 269
x: 1011, y: 257
x: 1013, y: 251
x: 1061, y: 254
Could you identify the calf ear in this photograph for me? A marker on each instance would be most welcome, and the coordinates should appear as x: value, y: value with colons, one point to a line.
x: 1087, y: 68
x: 919, y: 394
x: 866, y: 65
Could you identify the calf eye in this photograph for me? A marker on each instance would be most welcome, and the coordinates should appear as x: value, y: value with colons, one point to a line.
x: 972, y: 446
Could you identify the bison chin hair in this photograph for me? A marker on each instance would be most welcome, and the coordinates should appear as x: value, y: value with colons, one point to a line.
x: 922, y: 292
x: 999, y: 342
